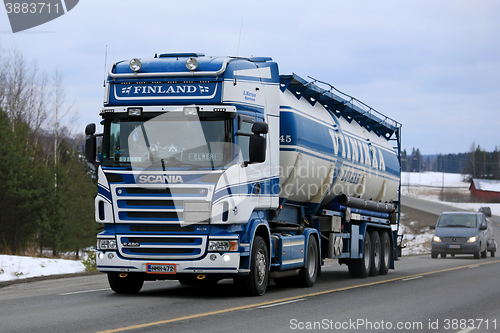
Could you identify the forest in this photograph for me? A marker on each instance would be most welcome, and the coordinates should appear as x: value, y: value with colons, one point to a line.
x: 476, y: 163
x: 47, y: 189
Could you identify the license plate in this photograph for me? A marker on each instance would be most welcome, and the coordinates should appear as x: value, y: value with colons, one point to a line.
x: 161, y: 268
x: 454, y: 246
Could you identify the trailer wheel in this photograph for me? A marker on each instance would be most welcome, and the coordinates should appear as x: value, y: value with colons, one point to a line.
x: 123, y: 283
x: 307, y: 276
x: 376, y: 253
x: 360, y: 268
x: 385, y: 253
x: 255, y: 283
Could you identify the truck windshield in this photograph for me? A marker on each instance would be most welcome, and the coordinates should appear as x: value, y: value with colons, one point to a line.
x: 168, y: 142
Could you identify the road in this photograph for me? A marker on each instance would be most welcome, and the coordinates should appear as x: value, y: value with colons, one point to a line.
x: 421, y: 295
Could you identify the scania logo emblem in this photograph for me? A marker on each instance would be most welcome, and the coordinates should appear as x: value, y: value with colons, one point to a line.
x: 160, y: 179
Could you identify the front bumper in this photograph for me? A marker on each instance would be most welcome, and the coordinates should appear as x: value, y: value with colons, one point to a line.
x: 223, y: 263
x: 450, y: 248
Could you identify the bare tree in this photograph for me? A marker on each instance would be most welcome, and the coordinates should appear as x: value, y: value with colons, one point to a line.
x: 23, y: 92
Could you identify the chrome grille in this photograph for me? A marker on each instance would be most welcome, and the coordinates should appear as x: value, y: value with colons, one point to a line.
x: 454, y: 240
x: 162, y: 247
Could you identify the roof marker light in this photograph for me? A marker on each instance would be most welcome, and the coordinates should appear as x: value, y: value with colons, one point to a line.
x: 135, y: 65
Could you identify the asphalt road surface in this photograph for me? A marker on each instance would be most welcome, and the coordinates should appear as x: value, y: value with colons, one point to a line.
x: 457, y: 294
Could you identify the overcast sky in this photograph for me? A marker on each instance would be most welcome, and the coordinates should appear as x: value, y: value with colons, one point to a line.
x: 434, y: 66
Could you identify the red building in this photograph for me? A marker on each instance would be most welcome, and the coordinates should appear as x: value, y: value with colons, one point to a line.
x: 485, y: 190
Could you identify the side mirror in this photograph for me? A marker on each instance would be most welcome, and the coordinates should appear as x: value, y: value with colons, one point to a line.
x: 90, y: 129
x: 483, y: 227
x: 90, y: 143
x: 260, y: 128
x: 433, y: 227
x: 90, y: 149
x: 257, y: 149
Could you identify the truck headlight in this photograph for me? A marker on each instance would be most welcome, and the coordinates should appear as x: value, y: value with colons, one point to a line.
x: 135, y: 64
x: 191, y: 63
x: 436, y: 239
x: 222, y: 245
x: 473, y: 239
x: 106, y: 244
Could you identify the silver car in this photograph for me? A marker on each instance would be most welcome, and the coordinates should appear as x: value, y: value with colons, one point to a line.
x: 461, y: 233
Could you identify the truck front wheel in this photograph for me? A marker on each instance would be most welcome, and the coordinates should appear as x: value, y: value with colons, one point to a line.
x: 125, y: 283
x: 255, y: 283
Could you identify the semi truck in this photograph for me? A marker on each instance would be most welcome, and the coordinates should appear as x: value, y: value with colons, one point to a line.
x: 214, y: 168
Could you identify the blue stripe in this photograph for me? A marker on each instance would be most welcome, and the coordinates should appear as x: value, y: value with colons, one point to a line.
x: 104, y: 192
x: 268, y: 186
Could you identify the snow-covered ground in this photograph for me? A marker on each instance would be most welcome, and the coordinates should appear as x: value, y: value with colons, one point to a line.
x: 423, y: 185
x: 16, y: 267
x: 433, y: 179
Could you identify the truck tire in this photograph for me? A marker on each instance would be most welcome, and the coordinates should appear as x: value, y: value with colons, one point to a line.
x: 122, y: 283
x: 255, y: 283
x: 385, y: 253
x: 307, y: 276
x: 434, y: 255
x: 376, y: 253
x: 360, y: 268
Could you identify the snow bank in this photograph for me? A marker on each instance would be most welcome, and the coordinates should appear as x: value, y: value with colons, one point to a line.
x: 15, y: 267
x: 416, y: 243
x: 433, y: 179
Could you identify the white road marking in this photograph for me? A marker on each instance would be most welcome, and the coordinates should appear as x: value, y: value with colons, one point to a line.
x: 282, y: 303
x: 413, y: 278
x: 84, y: 291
